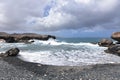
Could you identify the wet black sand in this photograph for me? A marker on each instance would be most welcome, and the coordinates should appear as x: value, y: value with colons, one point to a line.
x: 12, y: 68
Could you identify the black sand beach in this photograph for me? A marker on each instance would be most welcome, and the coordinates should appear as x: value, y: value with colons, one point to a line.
x: 12, y: 68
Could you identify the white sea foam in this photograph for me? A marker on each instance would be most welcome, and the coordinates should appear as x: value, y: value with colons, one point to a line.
x: 70, y: 58
x: 50, y: 42
x: 58, y: 53
x: 56, y: 43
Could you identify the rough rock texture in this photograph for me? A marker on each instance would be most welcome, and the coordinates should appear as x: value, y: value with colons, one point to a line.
x: 116, y: 36
x: 11, y: 52
x: 11, y: 38
x: 105, y: 42
x: 114, y: 49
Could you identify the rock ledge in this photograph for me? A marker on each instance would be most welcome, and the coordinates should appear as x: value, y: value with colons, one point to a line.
x: 24, y: 37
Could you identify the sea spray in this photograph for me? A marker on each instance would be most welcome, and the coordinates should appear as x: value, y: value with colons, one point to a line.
x: 62, y: 53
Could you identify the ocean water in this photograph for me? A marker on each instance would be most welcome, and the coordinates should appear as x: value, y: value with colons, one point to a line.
x: 63, y: 52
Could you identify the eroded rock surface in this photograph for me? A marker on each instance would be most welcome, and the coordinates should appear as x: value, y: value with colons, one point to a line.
x: 105, y: 42
x: 11, y: 52
x: 114, y: 49
x: 116, y: 36
x: 13, y: 38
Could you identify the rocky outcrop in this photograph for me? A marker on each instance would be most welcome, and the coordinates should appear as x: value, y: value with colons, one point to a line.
x: 105, y: 42
x: 12, y: 38
x: 114, y: 49
x: 116, y: 36
x: 11, y: 52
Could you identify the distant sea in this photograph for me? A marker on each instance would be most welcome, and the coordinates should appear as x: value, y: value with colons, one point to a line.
x: 78, y: 40
x: 63, y: 52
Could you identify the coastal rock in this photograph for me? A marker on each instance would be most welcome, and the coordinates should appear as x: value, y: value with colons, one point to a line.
x: 114, y: 49
x: 14, y: 38
x: 105, y: 42
x: 11, y: 52
x: 116, y: 36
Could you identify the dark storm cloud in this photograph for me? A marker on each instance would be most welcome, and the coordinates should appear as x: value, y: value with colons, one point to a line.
x: 55, y: 15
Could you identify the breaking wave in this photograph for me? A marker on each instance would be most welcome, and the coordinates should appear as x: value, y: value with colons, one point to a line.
x: 55, y: 52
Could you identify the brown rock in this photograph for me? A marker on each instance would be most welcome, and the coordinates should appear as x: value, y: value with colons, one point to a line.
x: 13, y: 38
x: 116, y: 36
x: 105, y: 42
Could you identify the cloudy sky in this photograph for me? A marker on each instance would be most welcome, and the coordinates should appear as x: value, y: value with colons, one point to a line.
x: 65, y: 18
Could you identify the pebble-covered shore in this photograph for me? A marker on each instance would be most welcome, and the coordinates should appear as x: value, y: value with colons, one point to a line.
x: 12, y: 68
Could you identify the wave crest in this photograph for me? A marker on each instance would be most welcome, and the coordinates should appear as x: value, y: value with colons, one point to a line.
x: 57, y: 42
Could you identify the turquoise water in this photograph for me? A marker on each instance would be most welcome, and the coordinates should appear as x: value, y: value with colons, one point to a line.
x: 63, y: 52
x: 77, y: 40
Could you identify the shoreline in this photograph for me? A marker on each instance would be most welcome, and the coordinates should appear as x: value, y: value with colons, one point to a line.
x: 16, y: 69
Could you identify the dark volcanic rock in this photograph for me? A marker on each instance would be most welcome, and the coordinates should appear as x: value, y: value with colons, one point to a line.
x: 13, y: 38
x: 116, y: 36
x: 105, y: 42
x: 11, y: 52
x: 114, y: 49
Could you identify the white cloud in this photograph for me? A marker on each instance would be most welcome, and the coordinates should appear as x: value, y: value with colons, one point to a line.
x: 83, y: 1
x: 53, y: 15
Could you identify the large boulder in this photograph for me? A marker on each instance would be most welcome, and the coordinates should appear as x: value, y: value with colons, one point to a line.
x: 105, y: 42
x: 11, y: 52
x: 114, y: 49
x: 116, y: 36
